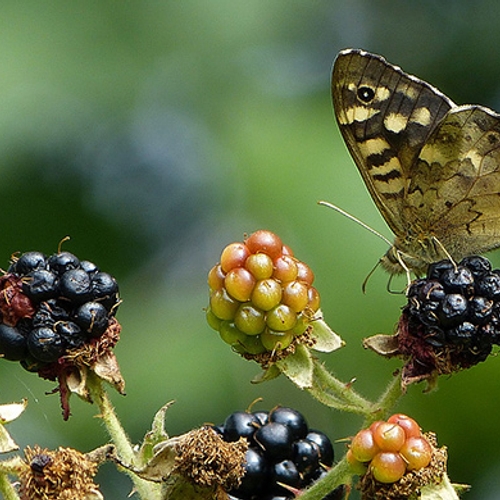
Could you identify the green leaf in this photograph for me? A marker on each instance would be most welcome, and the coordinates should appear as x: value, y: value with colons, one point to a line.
x: 326, y: 339
x: 442, y: 491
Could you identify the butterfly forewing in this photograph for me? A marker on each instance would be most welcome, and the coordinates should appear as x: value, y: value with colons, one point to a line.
x: 431, y: 167
x: 384, y: 134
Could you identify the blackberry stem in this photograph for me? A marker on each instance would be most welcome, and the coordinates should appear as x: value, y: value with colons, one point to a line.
x: 337, y: 394
x: 340, y: 474
x: 146, y: 490
x: 13, y: 467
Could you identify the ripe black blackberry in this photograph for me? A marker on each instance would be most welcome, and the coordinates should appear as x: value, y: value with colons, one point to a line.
x: 50, y: 305
x: 452, y: 318
x: 282, y: 450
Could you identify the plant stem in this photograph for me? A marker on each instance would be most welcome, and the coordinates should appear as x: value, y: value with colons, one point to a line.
x: 340, y: 474
x: 6, y: 488
x: 146, y: 490
x: 337, y: 394
x: 387, y: 400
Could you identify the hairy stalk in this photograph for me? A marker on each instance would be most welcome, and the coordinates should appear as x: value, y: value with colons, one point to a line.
x: 337, y: 394
x: 146, y: 490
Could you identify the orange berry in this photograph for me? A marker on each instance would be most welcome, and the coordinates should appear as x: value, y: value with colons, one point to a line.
x: 417, y: 453
x: 263, y: 241
x: 234, y: 255
x: 239, y: 283
x: 387, y: 467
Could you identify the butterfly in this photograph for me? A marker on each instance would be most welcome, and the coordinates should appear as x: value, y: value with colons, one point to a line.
x: 432, y: 167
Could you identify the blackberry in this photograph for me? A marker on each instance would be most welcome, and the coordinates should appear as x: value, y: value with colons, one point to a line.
x: 452, y: 318
x: 75, y: 285
x: 51, y: 304
x: 40, y: 285
x: 283, y: 452
x: 45, y: 344
x: 13, y: 344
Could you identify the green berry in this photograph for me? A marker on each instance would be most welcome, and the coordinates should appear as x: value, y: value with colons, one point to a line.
x: 281, y: 318
x: 267, y: 294
x: 250, y: 320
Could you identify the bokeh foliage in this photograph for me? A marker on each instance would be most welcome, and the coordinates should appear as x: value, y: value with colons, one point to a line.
x: 154, y: 133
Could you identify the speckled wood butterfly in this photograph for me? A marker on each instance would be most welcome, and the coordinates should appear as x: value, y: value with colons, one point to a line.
x: 432, y: 167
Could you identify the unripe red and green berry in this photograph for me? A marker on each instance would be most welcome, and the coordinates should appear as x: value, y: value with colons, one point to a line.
x: 389, y: 449
x: 262, y: 291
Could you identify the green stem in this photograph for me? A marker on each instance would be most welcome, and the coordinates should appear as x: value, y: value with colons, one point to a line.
x: 8, y: 491
x: 387, y: 400
x: 337, y: 394
x: 145, y: 489
x: 340, y: 474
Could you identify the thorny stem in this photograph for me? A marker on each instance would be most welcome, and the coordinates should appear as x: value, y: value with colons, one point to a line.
x: 146, y: 490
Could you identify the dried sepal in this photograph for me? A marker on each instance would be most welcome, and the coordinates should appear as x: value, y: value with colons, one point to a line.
x: 64, y: 474
x: 72, y: 370
x: 8, y: 413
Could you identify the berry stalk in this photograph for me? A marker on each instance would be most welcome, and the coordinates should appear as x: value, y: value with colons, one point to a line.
x: 146, y: 490
x: 336, y: 394
x: 340, y: 474
x: 13, y: 467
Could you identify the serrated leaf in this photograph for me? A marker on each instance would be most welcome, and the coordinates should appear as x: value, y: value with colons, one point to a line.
x: 442, y: 491
x: 298, y: 367
x: 326, y: 339
x: 11, y: 411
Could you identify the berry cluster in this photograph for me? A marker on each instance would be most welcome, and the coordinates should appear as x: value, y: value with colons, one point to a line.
x: 51, y: 305
x: 389, y: 449
x: 453, y: 316
x: 261, y: 296
x: 282, y: 450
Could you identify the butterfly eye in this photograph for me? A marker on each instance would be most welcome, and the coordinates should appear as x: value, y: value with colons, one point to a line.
x: 366, y: 94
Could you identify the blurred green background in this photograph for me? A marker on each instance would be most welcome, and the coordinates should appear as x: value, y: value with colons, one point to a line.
x: 154, y: 133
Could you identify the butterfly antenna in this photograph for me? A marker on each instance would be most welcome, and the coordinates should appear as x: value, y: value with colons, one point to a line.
x: 355, y: 219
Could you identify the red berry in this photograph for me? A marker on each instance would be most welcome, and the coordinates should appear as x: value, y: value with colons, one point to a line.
x: 263, y: 241
x: 417, y: 452
x: 314, y: 299
x: 234, y: 255
x: 305, y: 273
x: 285, y: 268
x: 363, y: 446
x: 389, y: 436
x: 387, y: 467
x: 411, y: 428
x: 239, y: 283
x: 216, y: 278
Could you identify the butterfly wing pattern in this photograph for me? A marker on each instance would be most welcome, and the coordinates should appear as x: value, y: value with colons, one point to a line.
x: 432, y: 167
